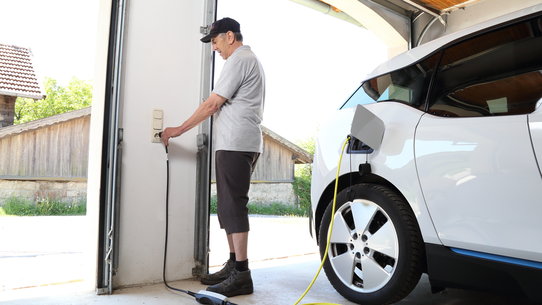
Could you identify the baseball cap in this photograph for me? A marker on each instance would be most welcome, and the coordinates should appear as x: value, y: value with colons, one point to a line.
x: 223, y: 25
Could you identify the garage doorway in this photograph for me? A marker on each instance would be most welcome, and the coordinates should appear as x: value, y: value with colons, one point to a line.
x: 47, y: 253
x: 312, y: 62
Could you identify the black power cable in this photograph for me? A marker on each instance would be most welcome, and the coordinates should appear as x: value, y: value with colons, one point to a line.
x: 203, y: 297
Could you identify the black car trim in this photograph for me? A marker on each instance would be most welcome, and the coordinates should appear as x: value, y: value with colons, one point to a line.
x: 448, y: 269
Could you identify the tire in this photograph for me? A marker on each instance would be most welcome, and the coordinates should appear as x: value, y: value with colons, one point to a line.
x: 376, y: 252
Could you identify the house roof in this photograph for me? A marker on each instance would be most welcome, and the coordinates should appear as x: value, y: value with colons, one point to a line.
x: 301, y: 156
x: 17, y: 73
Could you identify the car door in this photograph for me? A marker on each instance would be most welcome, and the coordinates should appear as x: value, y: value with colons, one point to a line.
x: 481, y: 184
x: 474, y: 154
x: 535, y: 128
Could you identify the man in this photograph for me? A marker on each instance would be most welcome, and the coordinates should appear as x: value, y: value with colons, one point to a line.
x: 237, y: 103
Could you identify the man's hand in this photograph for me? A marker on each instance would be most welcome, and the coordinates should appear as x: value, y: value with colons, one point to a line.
x: 206, y: 109
x: 170, y: 132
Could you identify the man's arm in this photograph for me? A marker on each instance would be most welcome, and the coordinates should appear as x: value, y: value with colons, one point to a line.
x: 206, y: 109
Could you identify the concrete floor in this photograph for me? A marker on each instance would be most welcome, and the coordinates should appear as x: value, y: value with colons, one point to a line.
x: 37, y: 251
x: 281, y: 269
x: 279, y: 281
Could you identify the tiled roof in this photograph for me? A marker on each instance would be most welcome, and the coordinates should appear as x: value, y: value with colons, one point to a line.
x: 17, y: 75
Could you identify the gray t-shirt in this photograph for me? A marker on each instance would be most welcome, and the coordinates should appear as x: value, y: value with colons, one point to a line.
x: 242, y: 83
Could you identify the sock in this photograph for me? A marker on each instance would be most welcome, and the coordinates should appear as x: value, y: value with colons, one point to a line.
x: 232, y: 256
x: 241, y: 265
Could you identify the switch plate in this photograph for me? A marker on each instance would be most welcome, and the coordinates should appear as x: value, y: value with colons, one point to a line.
x: 157, y: 124
x: 157, y: 114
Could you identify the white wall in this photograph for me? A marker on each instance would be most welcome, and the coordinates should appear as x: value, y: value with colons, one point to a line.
x: 483, y: 11
x: 472, y: 15
x: 457, y: 20
x: 95, y: 144
x: 162, y: 60
x: 373, y: 22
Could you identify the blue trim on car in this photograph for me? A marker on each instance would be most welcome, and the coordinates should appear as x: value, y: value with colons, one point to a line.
x: 499, y: 258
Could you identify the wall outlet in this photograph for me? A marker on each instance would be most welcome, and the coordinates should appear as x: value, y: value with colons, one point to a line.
x: 157, y: 125
x: 155, y: 137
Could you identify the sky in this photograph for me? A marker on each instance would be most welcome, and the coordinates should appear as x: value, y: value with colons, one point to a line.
x: 60, y: 33
x: 312, y: 61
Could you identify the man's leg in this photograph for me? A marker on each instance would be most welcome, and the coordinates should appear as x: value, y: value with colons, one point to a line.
x: 240, y: 243
x: 240, y: 281
x: 224, y: 273
x: 230, y: 243
x: 223, y: 194
x: 235, y: 171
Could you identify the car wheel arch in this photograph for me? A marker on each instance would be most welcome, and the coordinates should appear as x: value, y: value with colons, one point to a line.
x: 345, y: 181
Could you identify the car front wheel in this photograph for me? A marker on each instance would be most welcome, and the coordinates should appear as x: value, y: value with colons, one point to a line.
x: 376, y: 251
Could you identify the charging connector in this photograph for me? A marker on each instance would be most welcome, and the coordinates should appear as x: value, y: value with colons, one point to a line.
x: 211, y: 298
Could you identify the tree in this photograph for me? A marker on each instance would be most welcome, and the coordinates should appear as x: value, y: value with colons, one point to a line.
x: 77, y: 95
x: 309, y: 145
x: 302, y: 179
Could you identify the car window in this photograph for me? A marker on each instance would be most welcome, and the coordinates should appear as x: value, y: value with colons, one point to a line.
x: 407, y: 85
x: 358, y: 98
x: 497, y: 73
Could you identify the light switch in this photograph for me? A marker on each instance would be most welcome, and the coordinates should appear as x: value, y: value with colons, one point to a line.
x: 157, y: 124
x: 157, y: 114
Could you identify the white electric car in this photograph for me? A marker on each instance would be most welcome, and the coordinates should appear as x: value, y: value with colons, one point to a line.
x: 453, y: 186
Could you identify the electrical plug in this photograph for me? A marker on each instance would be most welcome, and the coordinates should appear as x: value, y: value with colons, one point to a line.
x: 211, y: 298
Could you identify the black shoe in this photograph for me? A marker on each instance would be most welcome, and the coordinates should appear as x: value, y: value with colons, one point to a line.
x: 219, y: 276
x: 239, y: 282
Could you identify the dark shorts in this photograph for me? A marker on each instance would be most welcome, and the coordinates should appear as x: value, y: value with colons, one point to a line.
x: 233, y: 170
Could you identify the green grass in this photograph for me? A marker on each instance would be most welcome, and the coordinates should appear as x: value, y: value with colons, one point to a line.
x: 277, y: 209
x: 45, y: 207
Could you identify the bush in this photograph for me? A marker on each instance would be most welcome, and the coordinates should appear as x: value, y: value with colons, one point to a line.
x: 44, y: 207
x: 302, y: 187
x: 213, y: 205
x: 302, y: 178
x: 276, y: 208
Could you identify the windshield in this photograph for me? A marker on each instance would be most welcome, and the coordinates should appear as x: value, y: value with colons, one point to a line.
x: 358, y: 98
x: 368, y: 93
x: 407, y: 85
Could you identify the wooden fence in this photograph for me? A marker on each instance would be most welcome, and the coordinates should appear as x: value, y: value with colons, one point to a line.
x: 54, y: 148
x: 277, y: 162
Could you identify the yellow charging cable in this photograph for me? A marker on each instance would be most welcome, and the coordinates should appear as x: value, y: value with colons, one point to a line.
x: 329, y: 230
